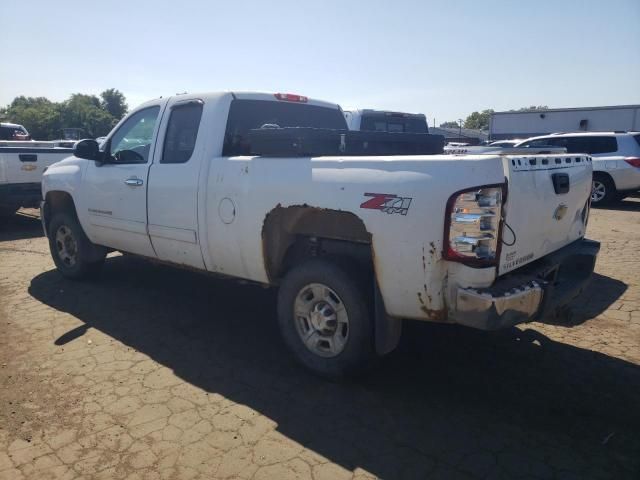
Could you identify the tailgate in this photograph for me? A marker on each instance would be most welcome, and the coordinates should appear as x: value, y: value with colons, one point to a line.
x: 547, y: 206
x: 26, y: 165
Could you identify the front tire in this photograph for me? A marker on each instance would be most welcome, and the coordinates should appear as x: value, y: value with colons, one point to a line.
x: 325, y: 320
x: 603, y: 190
x: 72, y: 252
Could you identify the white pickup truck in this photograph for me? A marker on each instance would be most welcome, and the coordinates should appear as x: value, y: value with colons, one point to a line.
x: 21, y: 166
x: 354, y: 244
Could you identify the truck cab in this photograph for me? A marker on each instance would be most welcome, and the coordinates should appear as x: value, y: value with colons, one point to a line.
x: 386, y: 121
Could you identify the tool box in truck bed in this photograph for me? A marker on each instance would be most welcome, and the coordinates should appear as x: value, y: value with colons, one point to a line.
x: 295, y: 141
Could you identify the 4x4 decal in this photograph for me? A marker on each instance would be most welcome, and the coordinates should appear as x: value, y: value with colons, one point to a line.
x: 388, y: 203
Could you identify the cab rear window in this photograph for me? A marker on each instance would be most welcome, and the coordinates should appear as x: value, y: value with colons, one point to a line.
x: 245, y: 115
x: 393, y: 123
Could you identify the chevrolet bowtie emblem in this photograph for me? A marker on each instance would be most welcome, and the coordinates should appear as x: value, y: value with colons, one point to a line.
x: 560, y: 212
x: 28, y: 168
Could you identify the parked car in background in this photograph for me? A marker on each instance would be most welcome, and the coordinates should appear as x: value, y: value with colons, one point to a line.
x: 616, y: 160
x: 355, y: 244
x: 505, y: 143
x: 386, y: 121
x: 13, y: 131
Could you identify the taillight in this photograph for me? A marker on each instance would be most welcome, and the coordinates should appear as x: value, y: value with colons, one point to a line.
x: 290, y: 97
x: 473, y: 225
x: 633, y: 161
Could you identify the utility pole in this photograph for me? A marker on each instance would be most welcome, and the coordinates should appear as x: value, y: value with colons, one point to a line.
x: 460, y: 129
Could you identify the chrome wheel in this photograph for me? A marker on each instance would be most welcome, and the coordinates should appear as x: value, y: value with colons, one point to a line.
x: 66, y: 246
x: 598, y: 191
x: 321, y: 320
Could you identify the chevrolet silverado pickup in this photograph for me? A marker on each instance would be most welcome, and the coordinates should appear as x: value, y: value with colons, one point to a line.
x: 21, y: 166
x: 354, y: 244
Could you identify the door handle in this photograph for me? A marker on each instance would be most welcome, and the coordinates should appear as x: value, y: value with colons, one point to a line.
x: 134, y: 182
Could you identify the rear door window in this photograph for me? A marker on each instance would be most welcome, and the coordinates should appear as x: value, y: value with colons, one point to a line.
x: 540, y: 142
x: 182, y: 132
x: 590, y: 145
x: 245, y: 115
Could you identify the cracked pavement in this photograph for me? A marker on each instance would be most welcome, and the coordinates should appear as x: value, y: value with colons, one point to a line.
x: 150, y: 372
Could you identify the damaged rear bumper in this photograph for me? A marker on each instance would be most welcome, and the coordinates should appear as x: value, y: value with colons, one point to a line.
x: 532, y: 292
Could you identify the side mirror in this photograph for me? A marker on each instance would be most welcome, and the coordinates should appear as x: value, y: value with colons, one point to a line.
x: 88, y: 149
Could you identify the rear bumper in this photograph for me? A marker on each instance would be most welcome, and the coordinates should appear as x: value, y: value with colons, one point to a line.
x: 532, y: 292
x: 16, y: 195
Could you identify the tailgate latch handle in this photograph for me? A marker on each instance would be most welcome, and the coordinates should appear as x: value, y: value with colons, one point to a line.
x: 560, y: 182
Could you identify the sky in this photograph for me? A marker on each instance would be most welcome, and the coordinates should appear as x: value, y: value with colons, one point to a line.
x: 441, y: 58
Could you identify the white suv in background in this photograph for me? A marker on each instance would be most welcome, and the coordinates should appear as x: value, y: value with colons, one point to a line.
x: 616, y: 160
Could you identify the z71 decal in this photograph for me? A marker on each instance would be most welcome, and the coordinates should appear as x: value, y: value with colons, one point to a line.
x: 387, y: 203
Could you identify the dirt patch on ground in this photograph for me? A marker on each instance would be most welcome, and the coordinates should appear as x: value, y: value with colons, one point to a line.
x: 151, y: 372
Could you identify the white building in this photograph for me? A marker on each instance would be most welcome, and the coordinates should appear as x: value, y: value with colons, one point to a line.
x: 530, y: 123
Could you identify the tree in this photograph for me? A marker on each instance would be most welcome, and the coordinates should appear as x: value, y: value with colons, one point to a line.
x: 45, y: 119
x: 478, y: 120
x: 86, y: 112
x: 113, y: 101
x: 532, y: 107
x: 449, y: 125
x: 39, y: 115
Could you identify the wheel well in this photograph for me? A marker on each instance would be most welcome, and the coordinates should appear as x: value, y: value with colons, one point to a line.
x: 603, y: 175
x: 57, y: 201
x: 290, y: 234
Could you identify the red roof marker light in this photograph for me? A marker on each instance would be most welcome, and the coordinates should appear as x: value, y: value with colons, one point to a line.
x: 290, y: 97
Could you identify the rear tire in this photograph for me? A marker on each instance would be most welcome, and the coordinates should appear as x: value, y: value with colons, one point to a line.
x: 603, y: 190
x: 325, y: 320
x: 72, y: 252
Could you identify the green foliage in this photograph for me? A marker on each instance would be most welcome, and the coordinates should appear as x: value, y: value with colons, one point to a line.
x: 42, y: 116
x: 478, y: 120
x: 532, y: 107
x: 113, y: 101
x: 86, y: 112
x: 45, y: 119
x: 449, y: 125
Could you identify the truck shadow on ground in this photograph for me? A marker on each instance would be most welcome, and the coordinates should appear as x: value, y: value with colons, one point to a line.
x: 21, y: 225
x: 596, y: 298
x: 449, y: 402
x: 631, y: 204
